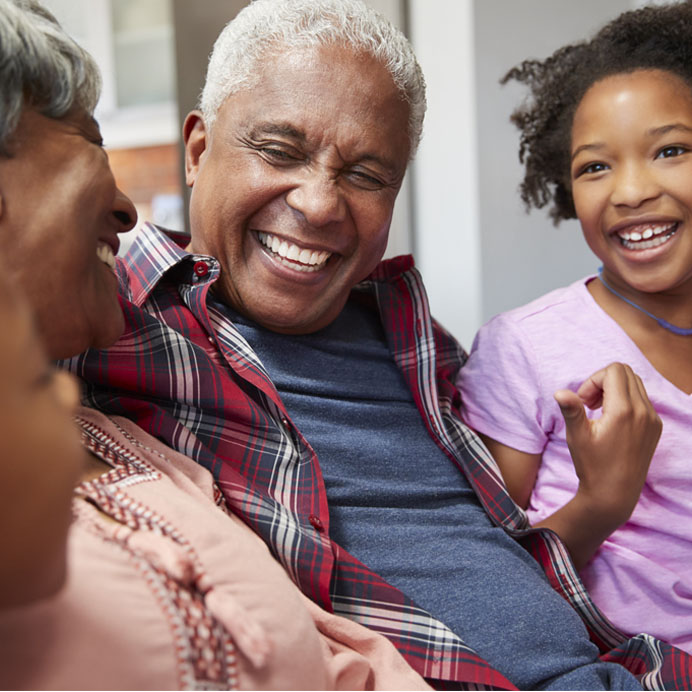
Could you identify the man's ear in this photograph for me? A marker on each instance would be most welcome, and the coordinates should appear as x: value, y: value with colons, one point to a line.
x: 195, y: 136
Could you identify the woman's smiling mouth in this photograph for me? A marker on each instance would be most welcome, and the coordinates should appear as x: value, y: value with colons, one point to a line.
x: 293, y: 256
x: 105, y: 253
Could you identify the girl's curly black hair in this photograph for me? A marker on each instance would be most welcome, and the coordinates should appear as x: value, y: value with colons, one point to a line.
x: 655, y: 37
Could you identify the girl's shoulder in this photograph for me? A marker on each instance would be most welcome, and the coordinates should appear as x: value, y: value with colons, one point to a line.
x: 568, y: 303
x: 564, y: 329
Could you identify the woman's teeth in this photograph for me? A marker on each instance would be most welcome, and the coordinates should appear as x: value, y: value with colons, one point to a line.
x: 646, y: 237
x: 291, y: 255
x: 105, y: 253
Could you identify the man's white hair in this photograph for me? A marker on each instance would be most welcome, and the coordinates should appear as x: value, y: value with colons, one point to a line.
x: 266, y: 27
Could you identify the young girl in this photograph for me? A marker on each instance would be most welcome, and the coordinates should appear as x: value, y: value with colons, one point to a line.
x: 606, y: 138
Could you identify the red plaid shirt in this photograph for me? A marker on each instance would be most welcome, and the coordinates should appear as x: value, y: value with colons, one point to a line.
x: 186, y: 375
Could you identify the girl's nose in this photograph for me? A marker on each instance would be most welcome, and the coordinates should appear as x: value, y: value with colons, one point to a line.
x: 634, y: 185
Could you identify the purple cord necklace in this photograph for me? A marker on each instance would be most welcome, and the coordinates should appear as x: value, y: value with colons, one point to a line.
x: 663, y: 323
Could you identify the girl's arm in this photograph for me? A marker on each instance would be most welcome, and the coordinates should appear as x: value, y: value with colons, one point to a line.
x: 611, y: 456
x: 519, y: 469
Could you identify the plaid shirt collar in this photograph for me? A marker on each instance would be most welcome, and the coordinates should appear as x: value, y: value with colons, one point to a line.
x: 156, y: 251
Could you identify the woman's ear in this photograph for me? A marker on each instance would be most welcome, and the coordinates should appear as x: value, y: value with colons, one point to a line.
x: 195, y: 138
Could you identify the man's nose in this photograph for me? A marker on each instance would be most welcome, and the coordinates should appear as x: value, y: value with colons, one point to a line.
x: 124, y: 212
x: 319, y: 198
x: 634, y: 185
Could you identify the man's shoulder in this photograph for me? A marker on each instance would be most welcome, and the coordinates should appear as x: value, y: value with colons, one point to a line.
x: 392, y: 268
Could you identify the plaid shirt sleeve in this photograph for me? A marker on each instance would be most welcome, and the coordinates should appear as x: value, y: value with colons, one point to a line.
x: 186, y: 375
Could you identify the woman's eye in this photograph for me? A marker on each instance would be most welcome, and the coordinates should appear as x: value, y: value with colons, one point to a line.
x: 671, y: 151
x: 45, y: 378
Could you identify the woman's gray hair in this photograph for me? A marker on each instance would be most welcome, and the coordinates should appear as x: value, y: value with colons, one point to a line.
x: 266, y: 27
x: 40, y: 67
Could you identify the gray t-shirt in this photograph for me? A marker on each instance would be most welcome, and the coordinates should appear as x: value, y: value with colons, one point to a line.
x: 402, y: 507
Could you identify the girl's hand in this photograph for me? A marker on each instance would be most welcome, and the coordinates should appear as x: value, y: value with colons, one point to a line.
x: 611, y: 456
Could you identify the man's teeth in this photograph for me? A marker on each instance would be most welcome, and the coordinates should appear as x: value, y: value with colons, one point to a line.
x: 105, y: 253
x: 646, y: 237
x: 293, y: 256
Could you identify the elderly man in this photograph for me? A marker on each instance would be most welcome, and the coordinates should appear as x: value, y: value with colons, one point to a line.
x: 278, y: 353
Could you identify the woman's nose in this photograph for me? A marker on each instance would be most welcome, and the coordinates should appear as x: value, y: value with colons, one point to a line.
x: 124, y: 212
x: 67, y: 390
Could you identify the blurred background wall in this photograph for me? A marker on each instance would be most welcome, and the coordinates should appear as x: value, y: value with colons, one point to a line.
x: 458, y: 211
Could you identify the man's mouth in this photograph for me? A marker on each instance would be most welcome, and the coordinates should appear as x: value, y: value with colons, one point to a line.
x: 646, y: 236
x: 293, y: 256
x: 105, y: 253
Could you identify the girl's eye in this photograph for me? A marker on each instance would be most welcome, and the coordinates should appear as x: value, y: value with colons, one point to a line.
x: 671, y: 151
x: 591, y: 168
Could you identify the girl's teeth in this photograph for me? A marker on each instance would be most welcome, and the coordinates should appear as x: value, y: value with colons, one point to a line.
x: 649, y: 237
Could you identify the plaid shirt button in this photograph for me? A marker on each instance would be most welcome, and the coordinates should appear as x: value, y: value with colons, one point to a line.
x: 201, y: 268
x: 316, y: 523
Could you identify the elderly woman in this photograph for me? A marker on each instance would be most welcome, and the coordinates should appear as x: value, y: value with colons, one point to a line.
x: 148, y: 582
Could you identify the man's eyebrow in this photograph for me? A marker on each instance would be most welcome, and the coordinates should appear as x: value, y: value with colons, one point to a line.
x: 378, y: 160
x: 281, y: 129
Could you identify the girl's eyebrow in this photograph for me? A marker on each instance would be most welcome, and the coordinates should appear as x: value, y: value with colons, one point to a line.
x: 653, y: 132
x: 588, y: 147
x: 664, y: 129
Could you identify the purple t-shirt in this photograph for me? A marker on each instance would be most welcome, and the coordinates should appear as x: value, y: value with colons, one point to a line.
x: 640, y: 577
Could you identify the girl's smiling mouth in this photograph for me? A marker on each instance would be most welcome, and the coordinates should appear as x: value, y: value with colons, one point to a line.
x: 646, y: 236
